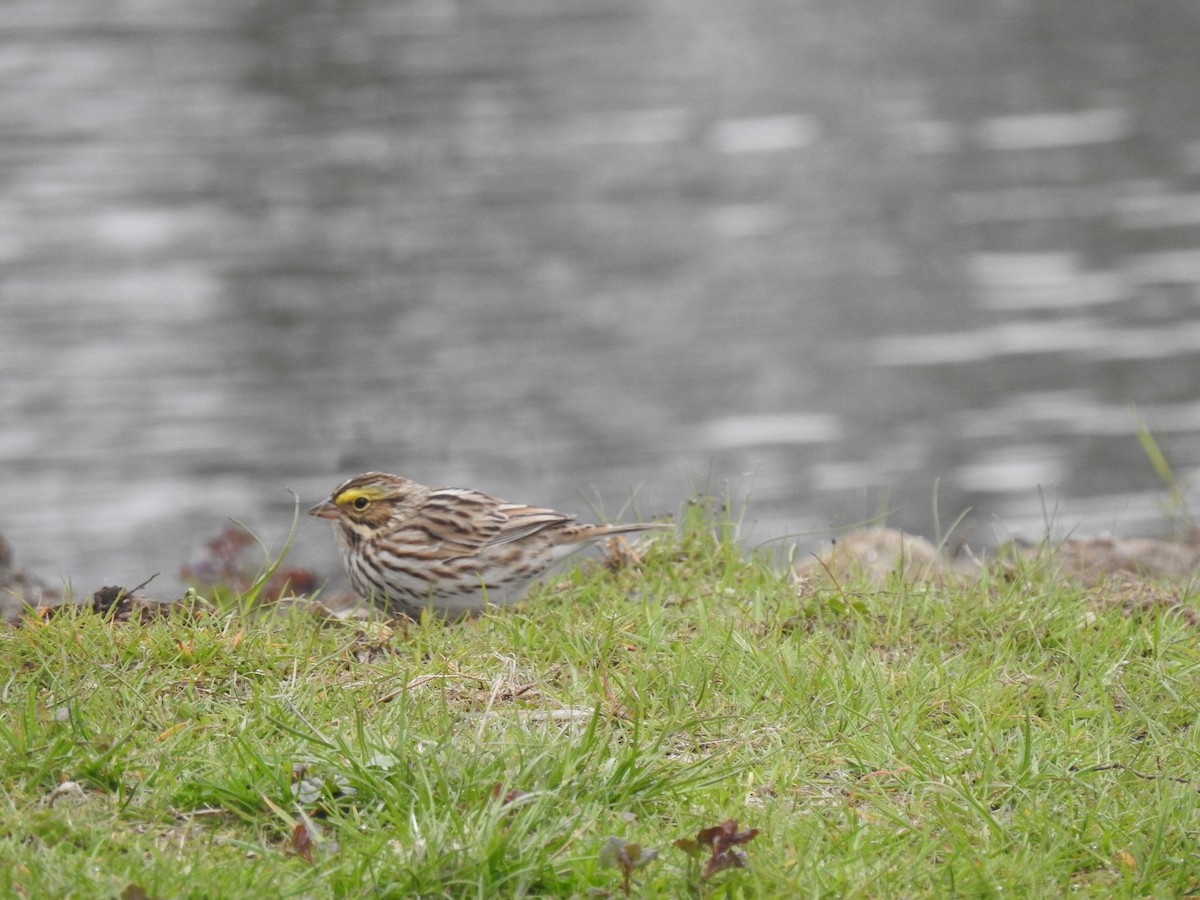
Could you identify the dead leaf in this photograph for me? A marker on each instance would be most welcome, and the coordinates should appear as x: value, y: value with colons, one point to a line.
x: 619, y: 554
x: 173, y: 730
x: 302, y: 842
x: 506, y: 797
x: 70, y: 792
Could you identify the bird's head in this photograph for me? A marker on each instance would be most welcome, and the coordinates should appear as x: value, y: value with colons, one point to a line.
x: 368, y: 502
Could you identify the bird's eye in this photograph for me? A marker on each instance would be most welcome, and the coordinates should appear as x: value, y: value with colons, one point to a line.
x: 361, y: 502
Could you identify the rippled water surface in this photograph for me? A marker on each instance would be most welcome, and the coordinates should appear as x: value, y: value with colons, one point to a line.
x: 844, y: 259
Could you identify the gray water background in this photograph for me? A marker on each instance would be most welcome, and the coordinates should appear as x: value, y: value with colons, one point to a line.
x: 845, y: 260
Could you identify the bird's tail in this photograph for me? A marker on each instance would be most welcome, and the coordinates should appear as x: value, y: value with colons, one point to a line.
x: 573, y: 534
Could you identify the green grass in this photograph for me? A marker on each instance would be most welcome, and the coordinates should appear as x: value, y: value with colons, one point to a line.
x: 1013, y: 737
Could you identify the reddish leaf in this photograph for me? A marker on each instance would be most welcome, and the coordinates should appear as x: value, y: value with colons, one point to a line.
x: 233, y: 560
x: 727, y: 859
x: 498, y: 793
x: 722, y: 841
x: 302, y: 842
x: 722, y: 837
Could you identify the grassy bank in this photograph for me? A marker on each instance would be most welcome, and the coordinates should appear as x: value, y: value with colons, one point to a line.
x: 1016, y: 736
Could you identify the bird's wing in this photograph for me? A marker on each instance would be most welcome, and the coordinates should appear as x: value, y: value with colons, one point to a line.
x: 522, y: 521
x: 461, y: 522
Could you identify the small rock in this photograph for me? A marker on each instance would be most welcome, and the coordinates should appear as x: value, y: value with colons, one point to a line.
x: 877, y: 554
x: 1092, y: 559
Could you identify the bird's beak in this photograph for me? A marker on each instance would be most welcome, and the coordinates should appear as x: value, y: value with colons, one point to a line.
x: 326, y: 509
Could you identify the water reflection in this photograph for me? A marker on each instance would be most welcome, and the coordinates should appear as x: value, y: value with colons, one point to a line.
x: 1068, y: 337
x: 843, y: 259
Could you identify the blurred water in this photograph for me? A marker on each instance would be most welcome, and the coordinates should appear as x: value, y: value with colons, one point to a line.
x: 845, y: 258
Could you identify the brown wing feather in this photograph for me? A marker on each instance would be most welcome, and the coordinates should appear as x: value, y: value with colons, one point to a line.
x: 461, y: 522
x: 522, y: 521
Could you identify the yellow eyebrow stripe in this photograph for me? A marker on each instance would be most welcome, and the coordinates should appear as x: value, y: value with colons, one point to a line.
x: 352, y: 494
